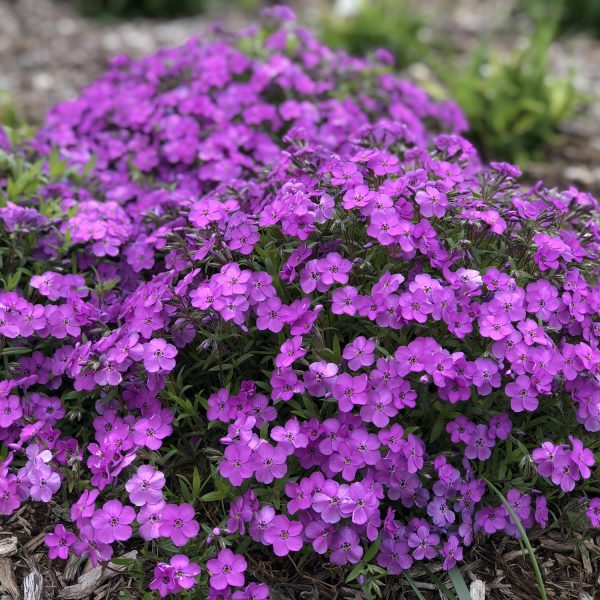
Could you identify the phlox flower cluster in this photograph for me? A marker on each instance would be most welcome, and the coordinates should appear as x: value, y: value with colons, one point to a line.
x: 282, y: 279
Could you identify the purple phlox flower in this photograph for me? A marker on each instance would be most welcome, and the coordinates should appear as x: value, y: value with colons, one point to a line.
x: 113, y: 522
x: 253, y: 591
x: 145, y: 487
x: 440, y: 512
x: 394, y: 555
x: 269, y: 462
x: 346, y: 547
x: 479, y: 447
x: 159, y: 356
x: 226, y: 570
x: 452, y: 552
x: 59, y: 542
x: 319, y: 377
x: 284, y: 535
x: 44, y: 483
x: 582, y: 457
x: 150, y: 520
x: 593, y: 512
x: 360, y: 353
x: 423, y: 543
x: 289, y: 436
x: 333, y: 269
x: 291, y: 350
x: 150, y: 432
x: 522, y: 394
x: 178, y: 523
x: 350, y: 391
x: 236, y: 464
x: 89, y: 545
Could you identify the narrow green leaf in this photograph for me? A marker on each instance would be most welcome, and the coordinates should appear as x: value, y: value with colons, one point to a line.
x: 517, y: 521
x: 460, y: 585
x: 372, y: 550
x: 413, y: 585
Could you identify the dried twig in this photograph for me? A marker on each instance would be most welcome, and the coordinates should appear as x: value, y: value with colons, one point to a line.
x: 7, y: 578
x: 92, y: 580
x: 8, y: 546
x: 33, y: 586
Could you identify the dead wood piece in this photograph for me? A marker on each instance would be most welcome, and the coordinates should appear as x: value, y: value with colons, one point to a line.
x: 513, y: 554
x: 550, y: 544
x: 34, y: 542
x: 33, y: 586
x: 71, y: 569
x: 8, y: 546
x: 7, y: 578
x: 90, y: 581
x: 477, y: 590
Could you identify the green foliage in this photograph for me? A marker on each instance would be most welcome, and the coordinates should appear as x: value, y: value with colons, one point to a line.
x: 511, y: 100
x: 513, y: 104
x: 140, y: 8
x: 389, y: 24
x: 12, y: 119
x: 581, y: 15
x: 571, y: 16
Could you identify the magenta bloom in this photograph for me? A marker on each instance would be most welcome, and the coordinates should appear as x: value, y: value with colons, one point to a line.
x: 164, y: 580
x: 10, y: 410
x: 360, y: 353
x: 89, y: 545
x: 269, y: 463
x: 186, y: 572
x: 44, y: 483
x: 334, y: 269
x: 150, y: 520
x: 350, y: 391
x: 226, y: 570
x: 254, y: 591
x: 59, y: 542
x: 236, y: 464
x: 179, y: 524
x: 145, y: 487
x: 159, y: 356
x: 432, y: 202
x: 9, y: 498
x: 85, y: 507
x: 522, y: 394
x: 150, y: 432
x: 593, y: 512
x: 269, y: 315
x: 112, y: 522
x: 284, y: 535
x: 346, y: 547
x: 291, y: 351
x: 423, y: 543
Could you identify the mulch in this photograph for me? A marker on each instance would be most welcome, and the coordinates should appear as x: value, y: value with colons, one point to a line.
x: 570, y: 567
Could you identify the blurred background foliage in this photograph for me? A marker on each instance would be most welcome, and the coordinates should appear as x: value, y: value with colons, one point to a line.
x: 513, y: 102
x: 157, y: 9
x: 501, y: 77
x: 163, y: 9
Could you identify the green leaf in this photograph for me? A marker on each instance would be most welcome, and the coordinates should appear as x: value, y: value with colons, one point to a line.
x: 214, y: 496
x: 517, y: 521
x: 196, y: 483
x: 356, y: 571
x: 413, y: 585
x: 372, y: 551
x: 460, y: 586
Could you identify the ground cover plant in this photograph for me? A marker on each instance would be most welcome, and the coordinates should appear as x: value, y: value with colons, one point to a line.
x: 263, y: 302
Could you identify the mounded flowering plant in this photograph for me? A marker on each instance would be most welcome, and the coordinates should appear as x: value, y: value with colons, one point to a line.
x: 261, y: 301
